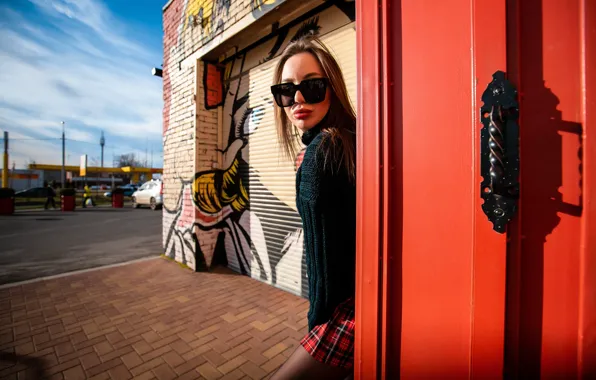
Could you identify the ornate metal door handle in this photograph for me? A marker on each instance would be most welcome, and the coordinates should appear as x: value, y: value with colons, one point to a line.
x: 499, y: 151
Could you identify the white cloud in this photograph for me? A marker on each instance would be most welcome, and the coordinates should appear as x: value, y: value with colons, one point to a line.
x: 22, y: 45
x: 92, y: 14
x: 79, y: 67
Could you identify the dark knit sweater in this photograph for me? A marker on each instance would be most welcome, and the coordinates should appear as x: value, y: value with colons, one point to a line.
x: 326, y: 201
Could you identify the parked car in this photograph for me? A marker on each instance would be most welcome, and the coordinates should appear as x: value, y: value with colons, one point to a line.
x: 150, y: 194
x: 34, y: 192
x: 128, y: 190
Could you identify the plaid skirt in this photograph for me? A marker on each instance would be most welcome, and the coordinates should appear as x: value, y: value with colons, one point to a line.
x: 332, y: 343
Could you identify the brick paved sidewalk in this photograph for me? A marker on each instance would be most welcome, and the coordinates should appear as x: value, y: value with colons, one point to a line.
x: 148, y: 320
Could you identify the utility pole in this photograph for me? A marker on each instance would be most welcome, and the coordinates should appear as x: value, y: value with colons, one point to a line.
x: 102, y: 142
x: 146, y: 146
x: 63, y: 174
x: 5, y: 161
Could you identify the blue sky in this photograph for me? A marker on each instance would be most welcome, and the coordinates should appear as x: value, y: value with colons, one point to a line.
x: 87, y: 63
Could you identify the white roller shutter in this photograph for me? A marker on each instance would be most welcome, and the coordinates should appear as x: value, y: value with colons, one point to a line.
x: 275, y: 226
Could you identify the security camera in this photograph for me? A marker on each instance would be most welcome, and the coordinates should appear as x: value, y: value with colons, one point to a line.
x: 156, y: 72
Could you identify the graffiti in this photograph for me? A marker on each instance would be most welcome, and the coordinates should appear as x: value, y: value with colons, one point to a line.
x: 262, y: 4
x: 181, y: 242
x: 208, y: 14
x: 254, y: 243
x: 219, y: 195
x: 222, y: 196
x: 260, y: 7
x: 239, y: 204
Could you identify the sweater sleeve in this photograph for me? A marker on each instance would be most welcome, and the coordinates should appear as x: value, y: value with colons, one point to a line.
x: 320, y: 219
x: 311, y: 197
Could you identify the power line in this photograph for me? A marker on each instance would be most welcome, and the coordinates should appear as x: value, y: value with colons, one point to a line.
x: 93, y: 143
x: 107, y: 145
x: 67, y: 139
x: 31, y: 139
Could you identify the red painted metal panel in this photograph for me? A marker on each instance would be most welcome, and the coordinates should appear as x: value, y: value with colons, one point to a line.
x: 439, y: 189
x: 549, y: 217
x: 512, y: 307
x: 368, y: 229
x: 489, y: 262
x: 587, y: 325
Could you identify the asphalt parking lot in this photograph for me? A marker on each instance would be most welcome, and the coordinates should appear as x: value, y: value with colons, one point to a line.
x: 43, y: 243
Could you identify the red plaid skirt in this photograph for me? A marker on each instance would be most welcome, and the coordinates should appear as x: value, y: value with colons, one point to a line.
x: 333, y: 342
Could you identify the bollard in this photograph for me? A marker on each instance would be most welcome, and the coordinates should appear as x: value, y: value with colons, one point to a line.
x: 68, y: 199
x: 6, y: 201
x: 118, y: 198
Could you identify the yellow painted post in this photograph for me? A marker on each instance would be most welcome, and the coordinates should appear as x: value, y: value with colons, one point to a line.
x: 5, y: 162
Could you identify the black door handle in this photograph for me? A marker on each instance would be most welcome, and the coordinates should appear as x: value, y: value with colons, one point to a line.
x: 499, y: 151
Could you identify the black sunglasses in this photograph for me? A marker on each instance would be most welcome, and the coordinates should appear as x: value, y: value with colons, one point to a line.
x: 313, y: 91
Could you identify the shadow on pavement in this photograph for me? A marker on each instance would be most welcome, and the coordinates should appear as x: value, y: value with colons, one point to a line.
x: 224, y: 270
x: 41, y: 214
x: 32, y: 367
x: 105, y: 209
x: 54, y: 213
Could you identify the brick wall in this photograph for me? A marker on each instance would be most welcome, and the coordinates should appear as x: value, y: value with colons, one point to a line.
x: 190, y: 130
x: 179, y: 141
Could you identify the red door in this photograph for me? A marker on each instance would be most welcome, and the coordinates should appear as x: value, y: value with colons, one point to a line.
x: 440, y: 292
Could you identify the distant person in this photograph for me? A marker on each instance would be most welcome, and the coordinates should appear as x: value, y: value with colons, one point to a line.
x: 87, y: 195
x: 50, y: 193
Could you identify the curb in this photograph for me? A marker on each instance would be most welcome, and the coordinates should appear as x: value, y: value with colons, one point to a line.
x: 58, y: 209
x: 40, y: 279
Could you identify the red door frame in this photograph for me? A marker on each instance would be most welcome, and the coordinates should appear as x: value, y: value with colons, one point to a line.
x: 368, y: 209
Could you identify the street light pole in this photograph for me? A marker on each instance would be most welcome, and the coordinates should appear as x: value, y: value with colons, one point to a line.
x: 63, y: 174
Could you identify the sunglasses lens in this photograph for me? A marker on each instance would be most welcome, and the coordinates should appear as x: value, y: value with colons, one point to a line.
x: 314, y: 90
x: 284, y: 94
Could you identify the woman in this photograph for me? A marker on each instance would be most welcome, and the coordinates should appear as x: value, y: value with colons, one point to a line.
x: 311, y: 95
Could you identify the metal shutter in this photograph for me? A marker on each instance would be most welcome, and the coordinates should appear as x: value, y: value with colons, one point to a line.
x: 274, y: 224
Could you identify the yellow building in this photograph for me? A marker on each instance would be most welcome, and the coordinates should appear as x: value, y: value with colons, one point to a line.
x: 97, y: 174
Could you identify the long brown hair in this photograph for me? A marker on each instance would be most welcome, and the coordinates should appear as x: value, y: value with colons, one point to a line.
x: 340, y: 125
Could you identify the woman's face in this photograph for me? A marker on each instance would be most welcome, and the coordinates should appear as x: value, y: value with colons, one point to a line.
x: 298, y: 68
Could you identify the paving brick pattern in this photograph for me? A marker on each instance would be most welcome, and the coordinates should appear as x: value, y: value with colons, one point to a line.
x: 148, y: 320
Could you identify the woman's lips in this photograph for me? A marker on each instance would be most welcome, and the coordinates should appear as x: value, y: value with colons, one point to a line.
x: 302, y: 114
